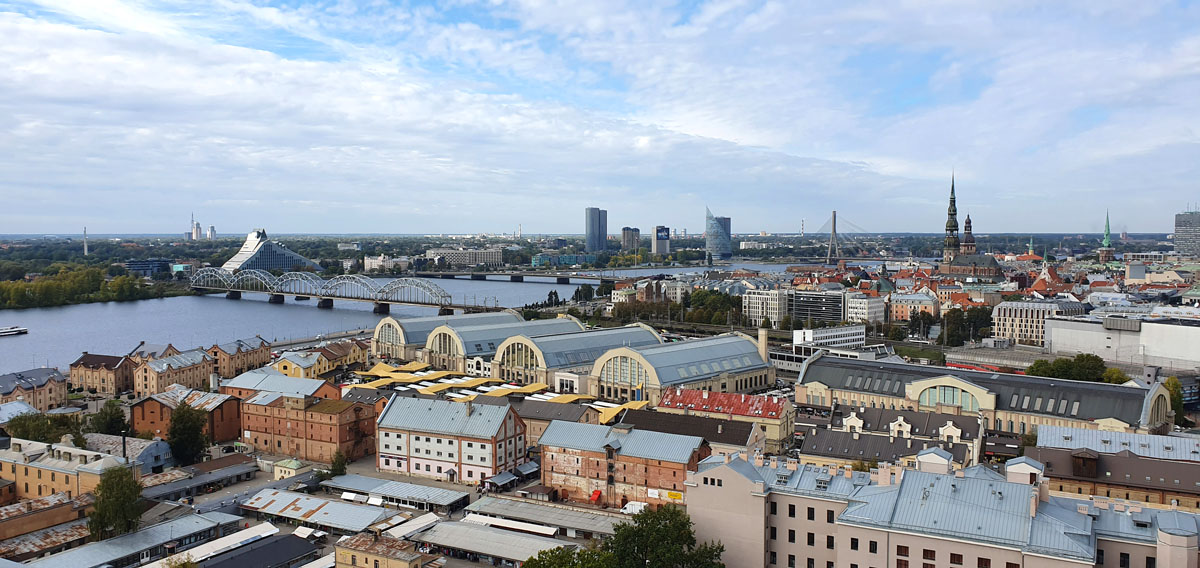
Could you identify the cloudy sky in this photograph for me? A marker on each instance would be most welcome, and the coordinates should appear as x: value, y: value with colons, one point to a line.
x: 461, y: 115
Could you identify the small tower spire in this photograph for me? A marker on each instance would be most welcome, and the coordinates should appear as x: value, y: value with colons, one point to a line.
x: 1107, y: 242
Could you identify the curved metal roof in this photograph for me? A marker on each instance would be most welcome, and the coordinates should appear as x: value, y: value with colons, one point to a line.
x: 416, y: 330
x: 697, y: 359
x: 484, y: 339
x: 584, y: 347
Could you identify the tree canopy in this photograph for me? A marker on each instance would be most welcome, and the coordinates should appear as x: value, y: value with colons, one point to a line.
x: 46, y: 428
x: 110, y: 419
x: 186, y: 434
x: 117, y: 511
x: 338, y: 467
x: 1083, y: 367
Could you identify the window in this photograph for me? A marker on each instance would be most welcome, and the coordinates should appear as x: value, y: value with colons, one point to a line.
x: 984, y: 563
x: 791, y: 561
x: 792, y: 510
x: 791, y: 535
x: 772, y: 533
x: 812, y: 513
x: 829, y: 542
x: 929, y: 565
x: 376, y: 564
x: 902, y: 551
x: 772, y: 557
x: 928, y: 554
x: 812, y: 539
x: 1151, y: 562
x: 1011, y: 565
x: 901, y: 564
x: 773, y: 508
x: 1124, y: 560
x: 873, y: 547
x: 956, y: 559
x: 829, y: 516
x: 353, y: 560
x: 854, y: 544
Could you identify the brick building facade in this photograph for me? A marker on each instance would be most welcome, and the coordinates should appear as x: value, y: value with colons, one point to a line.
x: 307, y: 428
x: 238, y: 356
x: 153, y: 413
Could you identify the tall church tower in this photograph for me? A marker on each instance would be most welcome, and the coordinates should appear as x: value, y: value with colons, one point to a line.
x: 1106, y: 252
x: 950, y: 248
x: 968, y: 240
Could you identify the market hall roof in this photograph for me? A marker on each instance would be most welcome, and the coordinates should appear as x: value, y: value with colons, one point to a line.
x: 575, y: 348
x: 482, y: 340
x: 699, y: 359
x: 1014, y: 393
x: 416, y: 330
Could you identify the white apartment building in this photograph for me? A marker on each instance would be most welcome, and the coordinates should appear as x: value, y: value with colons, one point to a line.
x: 384, y: 263
x: 450, y: 441
x: 1025, y: 322
x: 468, y: 257
x: 675, y: 290
x: 843, y: 336
x: 865, y: 309
x: 765, y: 304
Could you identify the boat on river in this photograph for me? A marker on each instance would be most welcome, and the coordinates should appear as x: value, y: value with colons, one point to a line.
x: 13, y: 330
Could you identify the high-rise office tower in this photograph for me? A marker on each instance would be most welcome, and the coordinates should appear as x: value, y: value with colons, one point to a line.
x: 718, y: 238
x: 661, y: 245
x: 212, y: 232
x: 595, y: 229
x: 631, y: 238
x: 1187, y: 233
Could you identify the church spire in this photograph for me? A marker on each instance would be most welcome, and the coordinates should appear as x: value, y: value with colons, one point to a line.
x: 1107, y: 242
x: 950, y: 247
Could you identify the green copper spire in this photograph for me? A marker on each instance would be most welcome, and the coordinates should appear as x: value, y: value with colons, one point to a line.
x: 1107, y: 242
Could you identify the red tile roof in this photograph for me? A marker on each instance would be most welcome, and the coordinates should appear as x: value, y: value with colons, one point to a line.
x: 726, y: 403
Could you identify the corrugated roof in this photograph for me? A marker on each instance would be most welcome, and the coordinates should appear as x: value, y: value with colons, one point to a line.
x: 321, y: 512
x: 698, y: 359
x: 207, y: 401
x: 106, y: 551
x: 635, y: 443
x: 757, y: 405
x: 180, y: 361
x: 576, y: 348
x: 269, y: 379
x: 490, y: 541
x: 1105, y: 442
x: 416, y: 330
x: 395, y: 489
x: 45, y: 539
x: 482, y: 340
x: 443, y: 417
x: 556, y: 515
x: 330, y: 406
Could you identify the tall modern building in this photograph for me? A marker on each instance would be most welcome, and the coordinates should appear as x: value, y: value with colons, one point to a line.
x: 259, y: 252
x: 661, y: 245
x: 212, y: 232
x: 595, y: 229
x: 631, y: 238
x: 718, y: 239
x: 1187, y: 233
x: 194, y: 234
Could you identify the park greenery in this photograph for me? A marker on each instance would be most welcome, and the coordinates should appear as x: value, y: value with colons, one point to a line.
x: 76, y: 285
x: 662, y: 538
x: 117, y: 511
x: 186, y: 434
x: 1082, y: 367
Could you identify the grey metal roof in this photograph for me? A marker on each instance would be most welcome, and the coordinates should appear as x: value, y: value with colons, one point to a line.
x: 443, y: 417
x: 697, y: 359
x: 529, y: 409
x: 9, y: 410
x: 1144, y: 445
x: 234, y: 346
x: 635, y: 443
x: 269, y: 379
x: 489, y: 540
x: 395, y: 489
x: 106, y: 551
x: 180, y: 361
x: 29, y: 380
x: 715, y: 430
x: 577, y: 348
x: 556, y: 515
x: 867, y: 447
x: 416, y: 330
x: 198, y: 480
x: 321, y: 512
x: 1014, y: 393
x: 484, y: 339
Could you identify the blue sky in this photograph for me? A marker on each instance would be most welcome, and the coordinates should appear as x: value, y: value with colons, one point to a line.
x: 464, y: 115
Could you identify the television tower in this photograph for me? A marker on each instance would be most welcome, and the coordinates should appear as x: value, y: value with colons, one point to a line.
x: 85, y: 249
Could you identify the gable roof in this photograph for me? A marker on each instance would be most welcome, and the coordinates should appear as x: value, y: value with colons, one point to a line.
x: 867, y: 447
x: 757, y: 405
x: 29, y: 380
x: 698, y: 359
x: 443, y: 417
x: 713, y: 430
x: 232, y: 347
x: 97, y: 361
x: 269, y: 379
x: 636, y: 443
x: 176, y: 394
x: 180, y: 361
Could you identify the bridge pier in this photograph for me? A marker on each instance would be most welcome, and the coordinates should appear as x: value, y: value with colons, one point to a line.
x: 563, y: 280
x: 444, y: 311
x: 301, y: 298
x: 325, y: 303
x: 479, y: 277
x: 233, y: 295
x: 607, y: 281
x: 275, y: 299
x: 516, y: 278
x: 381, y: 308
x: 447, y: 276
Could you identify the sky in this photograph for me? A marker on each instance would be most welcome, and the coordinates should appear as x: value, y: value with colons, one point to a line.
x: 128, y: 116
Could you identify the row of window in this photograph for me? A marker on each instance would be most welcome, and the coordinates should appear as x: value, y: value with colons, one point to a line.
x: 811, y: 541
x: 829, y: 514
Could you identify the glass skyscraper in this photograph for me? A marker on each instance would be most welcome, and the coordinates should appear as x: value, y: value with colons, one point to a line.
x: 1187, y: 233
x: 595, y: 229
x: 718, y: 239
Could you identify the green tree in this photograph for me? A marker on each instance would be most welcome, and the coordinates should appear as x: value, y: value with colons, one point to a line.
x: 1039, y: 368
x: 1115, y: 376
x: 338, y: 467
x: 1087, y: 367
x: 661, y: 538
x: 117, y: 511
x: 861, y: 465
x: 186, y: 434
x: 897, y: 333
x: 786, y: 323
x: 766, y: 323
x: 1029, y: 440
x: 568, y: 558
x: 46, y: 428
x: 110, y: 419
x: 1176, y: 389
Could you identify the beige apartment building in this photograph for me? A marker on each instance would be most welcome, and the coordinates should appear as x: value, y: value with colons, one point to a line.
x: 103, y: 374
x: 189, y: 368
x: 1025, y: 322
x: 42, y: 388
x: 781, y: 513
x: 39, y: 470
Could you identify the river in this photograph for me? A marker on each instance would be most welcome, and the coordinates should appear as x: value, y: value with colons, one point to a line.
x: 58, y: 335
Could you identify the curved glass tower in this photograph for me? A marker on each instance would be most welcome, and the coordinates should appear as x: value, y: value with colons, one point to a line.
x: 718, y: 239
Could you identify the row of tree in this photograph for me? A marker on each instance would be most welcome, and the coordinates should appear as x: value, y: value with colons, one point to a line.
x: 74, y: 286
x: 1091, y: 368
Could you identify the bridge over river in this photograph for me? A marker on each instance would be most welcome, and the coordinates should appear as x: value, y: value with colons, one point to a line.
x: 353, y: 287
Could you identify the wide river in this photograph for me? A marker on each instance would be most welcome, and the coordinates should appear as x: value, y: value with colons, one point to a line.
x: 58, y: 335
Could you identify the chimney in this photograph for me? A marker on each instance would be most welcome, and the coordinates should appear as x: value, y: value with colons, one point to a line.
x: 729, y: 457
x: 1033, y: 503
x: 774, y: 462
x: 791, y: 464
x: 758, y: 459
x: 856, y: 434
x: 704, y: 394
x: 469, y: 408
x: 762, y: 344
x: 720, y: 428
x: 849, y: 472
x: 909, y: 442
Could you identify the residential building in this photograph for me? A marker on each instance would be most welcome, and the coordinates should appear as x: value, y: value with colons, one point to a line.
x: 524, y: 359
x: 383, y: 263
x: 1009, y: 403
x: 153, y: 456
x: 1025, y: 322
x: 289, y: 468
x: 661, y: 245
x: 145, y: 544
x: 811, y: 306
x: 452, y: 347
x: 775, y: 416
x: 718, y: 238
x: 261, y: 253
x: 467, y: 257
x: 302, y: 364
x: 102, y: 374
x: 770, y: 305
x: 730, y: 362
x: 1131, y: 340
x: 836, y: 448
x: 39, y: 469
x: 1160, y: 470
x: 365, y: 549
x: 238, y: 356
x: 41, y: 388
x: 538, y: 414
x: 613, y: 465
x: 403, y: 338
x: 753, y: 245
x: 861, y: 308
x: 189, y: 368
x: 307, y: 428
x: 595, y: 224
x: 724, y: 435
x: 147, y: 268
x: 324, y: 359
x: 904, y: 306
x: 631, y: 239
x: 843, y: 336
x: 452, y: 441
x: 152, y: 414
x: 268, y: 379
x: 1187, y: 233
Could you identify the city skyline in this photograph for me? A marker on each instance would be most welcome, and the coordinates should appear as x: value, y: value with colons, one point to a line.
x: 334, y: 118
